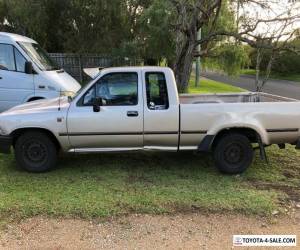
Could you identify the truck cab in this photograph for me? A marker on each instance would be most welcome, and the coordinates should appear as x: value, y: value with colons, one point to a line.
x: 27, y: 73
x: 140, y: 108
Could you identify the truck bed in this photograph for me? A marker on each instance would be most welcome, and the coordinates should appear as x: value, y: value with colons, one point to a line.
x: 244, y: 97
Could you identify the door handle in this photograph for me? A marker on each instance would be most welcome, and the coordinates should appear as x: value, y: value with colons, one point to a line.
x: 132, y: 113
x: 0, y: 77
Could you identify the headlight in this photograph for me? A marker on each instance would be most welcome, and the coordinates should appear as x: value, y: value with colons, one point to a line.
x: 67, y: 93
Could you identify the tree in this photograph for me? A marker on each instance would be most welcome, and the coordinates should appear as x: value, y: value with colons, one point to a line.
x: 82, y: 26
x: 193, y: 15
x: 278, y: 45
x: 156, y: 30
x: 274, y: 38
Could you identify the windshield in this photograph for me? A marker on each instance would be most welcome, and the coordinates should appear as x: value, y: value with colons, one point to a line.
x: 38, y: 56
x: 81, y: 89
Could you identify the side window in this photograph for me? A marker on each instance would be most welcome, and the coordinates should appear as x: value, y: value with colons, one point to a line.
x: 156, y: 89
x: 7, y: 61
x: 115, y: 89
x: 20, y: 61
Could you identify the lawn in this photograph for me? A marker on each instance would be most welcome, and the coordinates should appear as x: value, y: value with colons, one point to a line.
x: 101, y: 185
x: 289, y: 77
x: 210, y: 86
x: 111, y: 184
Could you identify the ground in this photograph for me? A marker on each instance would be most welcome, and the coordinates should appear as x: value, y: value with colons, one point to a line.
x: 290, y: 77
x: 103, y: 185
x: 181, y: 199
x: 179, y: 231
x: 273, y: 86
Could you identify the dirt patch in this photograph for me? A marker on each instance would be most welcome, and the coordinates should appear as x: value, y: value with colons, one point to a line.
x: 291, y: 173
x: 292, y: 192
x: 183, y: 231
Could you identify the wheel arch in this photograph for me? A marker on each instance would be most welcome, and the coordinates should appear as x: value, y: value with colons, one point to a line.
x: 20, y: 131
x: 209, y: 141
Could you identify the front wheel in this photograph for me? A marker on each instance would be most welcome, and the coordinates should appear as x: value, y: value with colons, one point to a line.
x: 233, y: 153
x: 35, y: 152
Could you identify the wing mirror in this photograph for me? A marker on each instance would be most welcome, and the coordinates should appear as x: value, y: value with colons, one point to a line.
x: 97, y: 102
x: 151, y: 105
x: 28, y: 68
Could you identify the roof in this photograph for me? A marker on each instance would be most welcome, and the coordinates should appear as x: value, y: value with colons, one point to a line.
x: 10, y: 37
x: 135, y: 68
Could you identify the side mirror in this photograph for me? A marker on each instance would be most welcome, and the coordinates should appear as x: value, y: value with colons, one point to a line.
x: 151, y: 105
x: 28, y: 68
x: 97, y: 102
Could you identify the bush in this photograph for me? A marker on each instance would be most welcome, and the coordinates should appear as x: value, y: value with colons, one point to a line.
x: 286, y: 63
x: 231, y: 58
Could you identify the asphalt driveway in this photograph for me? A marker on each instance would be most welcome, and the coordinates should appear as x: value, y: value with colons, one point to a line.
x: 276, y: 87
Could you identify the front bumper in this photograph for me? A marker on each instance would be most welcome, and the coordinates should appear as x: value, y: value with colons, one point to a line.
x: 5, y: 144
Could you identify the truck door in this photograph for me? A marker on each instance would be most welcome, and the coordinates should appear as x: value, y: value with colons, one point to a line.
x: 161, y: 113
x: 118, y: 125
x: 15, y: 85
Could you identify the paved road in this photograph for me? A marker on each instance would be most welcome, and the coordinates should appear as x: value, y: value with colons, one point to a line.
x: 276, y: 87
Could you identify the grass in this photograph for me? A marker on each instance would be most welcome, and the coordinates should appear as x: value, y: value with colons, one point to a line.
x: 102, y: 185
x: 210, y: 86
x: 289, y: 77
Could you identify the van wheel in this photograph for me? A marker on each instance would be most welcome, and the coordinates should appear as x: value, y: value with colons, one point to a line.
x: 233, y: 153
x: 35, y: 152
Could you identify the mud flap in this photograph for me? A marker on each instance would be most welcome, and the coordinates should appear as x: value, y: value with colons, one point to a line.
x: 262, y: 150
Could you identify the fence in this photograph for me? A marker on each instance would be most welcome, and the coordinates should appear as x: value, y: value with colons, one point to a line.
x: 75, y: 63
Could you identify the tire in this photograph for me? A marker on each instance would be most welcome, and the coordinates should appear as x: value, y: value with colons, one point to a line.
x: 233, y: 153
x: 35, y: 152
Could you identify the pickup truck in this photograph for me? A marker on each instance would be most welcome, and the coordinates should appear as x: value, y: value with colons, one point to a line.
x: 138, y: 108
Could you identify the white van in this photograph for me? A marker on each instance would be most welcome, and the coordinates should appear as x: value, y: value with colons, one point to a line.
x: 27, y: 73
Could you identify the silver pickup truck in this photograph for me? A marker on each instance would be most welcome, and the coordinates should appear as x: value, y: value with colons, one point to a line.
x: 138, y: 108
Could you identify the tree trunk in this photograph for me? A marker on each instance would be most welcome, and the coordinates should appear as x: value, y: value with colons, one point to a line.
x: 268, y: 70
x: 257, y: 70
x: 183, y: 65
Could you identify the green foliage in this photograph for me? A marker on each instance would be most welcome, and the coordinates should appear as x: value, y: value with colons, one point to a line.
x: 151, y: 37
x: 131, y: 28
x: 225, y: 55
x: 124, y: 28
x: 285, y: 63
x: 225, y: 22
x: 230, y: 58
x: 157, y: 32
x: 290, y: 76
x: 70, y: 25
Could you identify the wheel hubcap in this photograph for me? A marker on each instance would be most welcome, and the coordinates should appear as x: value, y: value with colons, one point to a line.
x: 233, y: 153
x: 35, y: 152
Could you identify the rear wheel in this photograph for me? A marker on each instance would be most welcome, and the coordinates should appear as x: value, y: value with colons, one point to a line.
x: 35, y: 152
x: 233, y: 153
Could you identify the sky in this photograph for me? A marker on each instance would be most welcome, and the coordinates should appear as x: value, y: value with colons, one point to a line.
x: 276, y: 8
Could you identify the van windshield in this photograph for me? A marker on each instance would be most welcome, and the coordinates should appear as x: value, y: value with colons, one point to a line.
x: 38, y: 56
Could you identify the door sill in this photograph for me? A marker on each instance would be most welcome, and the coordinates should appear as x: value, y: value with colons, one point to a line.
x: 145, y: 148
x: 96, y: 150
